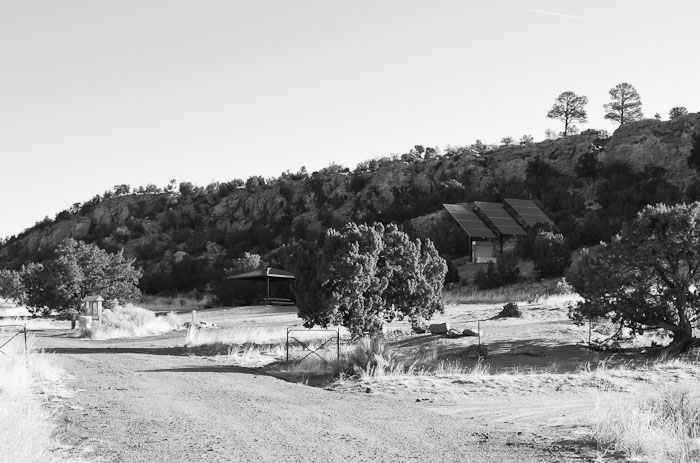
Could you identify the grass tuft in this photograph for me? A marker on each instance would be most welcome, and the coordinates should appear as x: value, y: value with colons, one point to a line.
x: 659, y: 426
x: 25, y: 422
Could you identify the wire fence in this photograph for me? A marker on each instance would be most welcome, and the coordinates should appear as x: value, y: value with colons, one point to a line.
x: 13, y: 342
x: 323, y: 340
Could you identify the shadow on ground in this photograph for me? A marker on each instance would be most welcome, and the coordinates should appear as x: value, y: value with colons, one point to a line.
x: 176, y: 350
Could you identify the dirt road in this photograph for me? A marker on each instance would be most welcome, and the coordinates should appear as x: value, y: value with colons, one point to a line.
x: 147, y: 401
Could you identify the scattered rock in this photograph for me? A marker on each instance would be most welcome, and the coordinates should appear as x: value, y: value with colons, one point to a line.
x: 419, y: 326
x: 468, y: 332
x: 368, y: 390
x: 510, y: 310
x: 439, y: 328
x: 453, y: 333
x: 201, y: 325
x: 531, y: 351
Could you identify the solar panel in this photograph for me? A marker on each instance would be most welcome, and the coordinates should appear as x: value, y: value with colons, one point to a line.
x: 500, y: 218
x: 528, y: 211
x: 469, y: 221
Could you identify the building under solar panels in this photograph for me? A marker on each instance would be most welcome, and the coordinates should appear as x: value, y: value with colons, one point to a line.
x: 489, y: 225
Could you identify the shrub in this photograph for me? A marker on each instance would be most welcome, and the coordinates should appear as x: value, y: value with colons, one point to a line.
x: 131, y: 321
x: 551, y: 254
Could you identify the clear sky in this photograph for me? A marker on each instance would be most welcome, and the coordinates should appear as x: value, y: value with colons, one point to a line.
x: 99, y: 93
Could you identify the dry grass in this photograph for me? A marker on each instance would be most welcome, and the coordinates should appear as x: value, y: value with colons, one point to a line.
x: 266, y: 345
x: 519, y: 292
x: 25, y: 385
x: 173, y: 303
x: 656, y: 426
x: 130, y: 321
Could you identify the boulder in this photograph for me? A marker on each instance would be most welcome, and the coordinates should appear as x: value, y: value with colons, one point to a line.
x: 510, y: 310
x: 439, y: 328
x: 468, y: 332
x: 419, y: 326
x: 453, y: 333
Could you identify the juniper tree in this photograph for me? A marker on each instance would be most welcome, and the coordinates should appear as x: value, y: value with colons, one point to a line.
x: 648, y: 276
x: 363, y: 276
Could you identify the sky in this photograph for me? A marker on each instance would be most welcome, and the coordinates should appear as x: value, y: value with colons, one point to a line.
x: 99, y: 93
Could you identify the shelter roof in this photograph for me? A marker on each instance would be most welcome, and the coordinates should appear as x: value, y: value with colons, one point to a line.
x: 263, y: 274
x: 93, y: 298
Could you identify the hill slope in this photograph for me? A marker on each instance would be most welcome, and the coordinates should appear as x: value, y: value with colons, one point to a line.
x: 185, y: 239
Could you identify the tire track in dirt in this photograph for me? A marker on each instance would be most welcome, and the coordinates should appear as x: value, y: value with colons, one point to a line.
x: 136, y: 402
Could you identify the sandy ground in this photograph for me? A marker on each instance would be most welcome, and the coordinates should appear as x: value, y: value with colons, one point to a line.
x: 147, y: 400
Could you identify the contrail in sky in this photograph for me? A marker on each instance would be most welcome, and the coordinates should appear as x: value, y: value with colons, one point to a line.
x: 563, y: 15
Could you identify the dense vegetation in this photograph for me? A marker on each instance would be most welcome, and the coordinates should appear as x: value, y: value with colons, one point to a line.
x: 77, y: 270
x: 187, y: 238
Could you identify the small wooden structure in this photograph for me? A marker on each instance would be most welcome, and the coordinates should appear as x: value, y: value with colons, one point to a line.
x: 267, y: 274
x: 92, y: 307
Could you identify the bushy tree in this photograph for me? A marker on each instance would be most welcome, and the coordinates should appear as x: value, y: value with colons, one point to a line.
x: 677, y: 111
x: 569, y: 107
x: 78, y: 270
x: 648, y: 276
x: 550, y: 254
x: 363, y: 276
x: 625, y: 105
x: 526, y: 140
x: 11, y: 286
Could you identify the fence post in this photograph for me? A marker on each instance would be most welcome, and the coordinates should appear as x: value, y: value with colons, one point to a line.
x: 287, y: 344
x: 338, y: 345
x: 478, y: 332
x: 26, y: 352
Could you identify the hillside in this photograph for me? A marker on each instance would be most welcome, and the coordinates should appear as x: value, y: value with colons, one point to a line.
x: 186, y: 239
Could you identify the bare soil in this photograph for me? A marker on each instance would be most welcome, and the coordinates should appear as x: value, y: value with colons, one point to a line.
x: 147, y: 400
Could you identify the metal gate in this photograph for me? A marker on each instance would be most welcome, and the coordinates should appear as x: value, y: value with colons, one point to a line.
x: 309, y: 348
x: 10, y: 336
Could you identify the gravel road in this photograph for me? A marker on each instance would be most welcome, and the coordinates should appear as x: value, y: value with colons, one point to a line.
x: 147, y: 401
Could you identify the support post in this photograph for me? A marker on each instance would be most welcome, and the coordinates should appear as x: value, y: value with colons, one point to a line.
x: 26, y: 352
x: 268, y: 290
x: 194, y: 317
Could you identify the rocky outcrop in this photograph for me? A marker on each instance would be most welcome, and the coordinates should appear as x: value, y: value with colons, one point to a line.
x: 658, y: 144
x: 336, y: 195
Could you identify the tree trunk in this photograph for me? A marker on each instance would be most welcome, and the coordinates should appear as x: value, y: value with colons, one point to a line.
x: 679, y: 345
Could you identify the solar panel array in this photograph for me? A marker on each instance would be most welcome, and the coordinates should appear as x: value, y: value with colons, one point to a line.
x: 528, y: 211
x: 500, y: 218
x: 469, y: 221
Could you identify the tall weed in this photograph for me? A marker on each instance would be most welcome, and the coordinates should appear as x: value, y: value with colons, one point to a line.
x: 26, y: 426
x: 663, y: 426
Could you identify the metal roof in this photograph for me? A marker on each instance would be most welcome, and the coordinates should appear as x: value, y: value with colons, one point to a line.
x: 528, y: 211
x: 500, y: 218
x: 263, y: 274
x: 469, y: 221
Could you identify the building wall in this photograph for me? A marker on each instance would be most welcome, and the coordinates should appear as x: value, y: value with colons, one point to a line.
x: 483, y: 251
